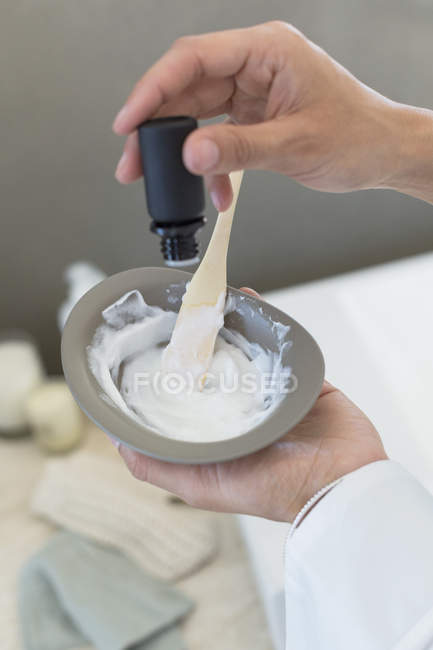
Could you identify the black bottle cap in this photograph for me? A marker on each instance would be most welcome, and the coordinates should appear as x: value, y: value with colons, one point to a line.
x: 175, y: 197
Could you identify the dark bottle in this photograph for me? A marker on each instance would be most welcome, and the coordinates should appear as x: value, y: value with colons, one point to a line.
x: 175, y: 197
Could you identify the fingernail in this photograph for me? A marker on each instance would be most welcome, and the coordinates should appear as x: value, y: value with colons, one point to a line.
x: 203, y: 156
x: 216, y: 200
x: 113, y: 441
x: 117, y: 124
x: 250, y: 291
x: 120, y: 166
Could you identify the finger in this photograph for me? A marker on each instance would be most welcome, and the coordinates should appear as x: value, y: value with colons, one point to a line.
x: 220, y: 190
x: 327, y: 388
x: 218, y: 55
x: 193, y: 103
x: 181, y: 480
x: 220, y: 187
x: 223, y: 148
x: 129, y: 166
x: 206, y: 99
x: 251, y: 292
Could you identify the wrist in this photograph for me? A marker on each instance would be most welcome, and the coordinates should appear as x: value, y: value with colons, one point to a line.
x: 411, y: 161
x: 317, y: 485
x: 311, y: 503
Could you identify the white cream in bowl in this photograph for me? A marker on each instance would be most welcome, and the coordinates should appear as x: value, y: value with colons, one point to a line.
x: 244, y: 382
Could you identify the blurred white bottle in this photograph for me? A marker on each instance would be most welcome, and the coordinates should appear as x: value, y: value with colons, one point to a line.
x: 80, y: 277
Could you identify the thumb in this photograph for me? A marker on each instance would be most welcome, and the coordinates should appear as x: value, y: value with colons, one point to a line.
x: 252, y: 292
x: 222, y: 148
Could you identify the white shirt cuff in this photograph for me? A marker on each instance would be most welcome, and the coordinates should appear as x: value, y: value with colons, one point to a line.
x: 359, y: 568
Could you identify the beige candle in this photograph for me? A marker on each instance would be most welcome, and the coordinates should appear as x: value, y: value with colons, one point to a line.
x: 21, y: 371
x: 54, y: 417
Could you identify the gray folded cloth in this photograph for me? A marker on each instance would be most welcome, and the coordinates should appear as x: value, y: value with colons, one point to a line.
x: 75, y: 591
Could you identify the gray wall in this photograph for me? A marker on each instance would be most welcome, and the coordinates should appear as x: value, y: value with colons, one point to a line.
x: 66, y: 67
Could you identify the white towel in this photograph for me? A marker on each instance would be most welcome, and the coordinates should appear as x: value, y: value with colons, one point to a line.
x: 98, y: 498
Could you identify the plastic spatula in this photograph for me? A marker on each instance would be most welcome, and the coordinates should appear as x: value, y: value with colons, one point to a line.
x: 202, y: 312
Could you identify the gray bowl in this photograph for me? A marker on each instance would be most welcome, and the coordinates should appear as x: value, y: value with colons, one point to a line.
x: 164, y: 287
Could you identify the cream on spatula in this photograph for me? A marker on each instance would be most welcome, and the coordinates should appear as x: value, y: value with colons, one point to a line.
x: 201, y: 315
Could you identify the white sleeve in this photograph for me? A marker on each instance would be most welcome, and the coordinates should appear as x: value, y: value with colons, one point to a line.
x: 359, y: 568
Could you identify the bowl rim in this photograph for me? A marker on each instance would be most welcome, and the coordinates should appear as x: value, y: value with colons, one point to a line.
x: 119, y: 426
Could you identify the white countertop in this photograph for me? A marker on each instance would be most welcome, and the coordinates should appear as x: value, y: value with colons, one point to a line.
x: 375, y: 328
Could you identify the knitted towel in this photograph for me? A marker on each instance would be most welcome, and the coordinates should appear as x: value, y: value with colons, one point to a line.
x: 74, y: 591
x: 98, y: 498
